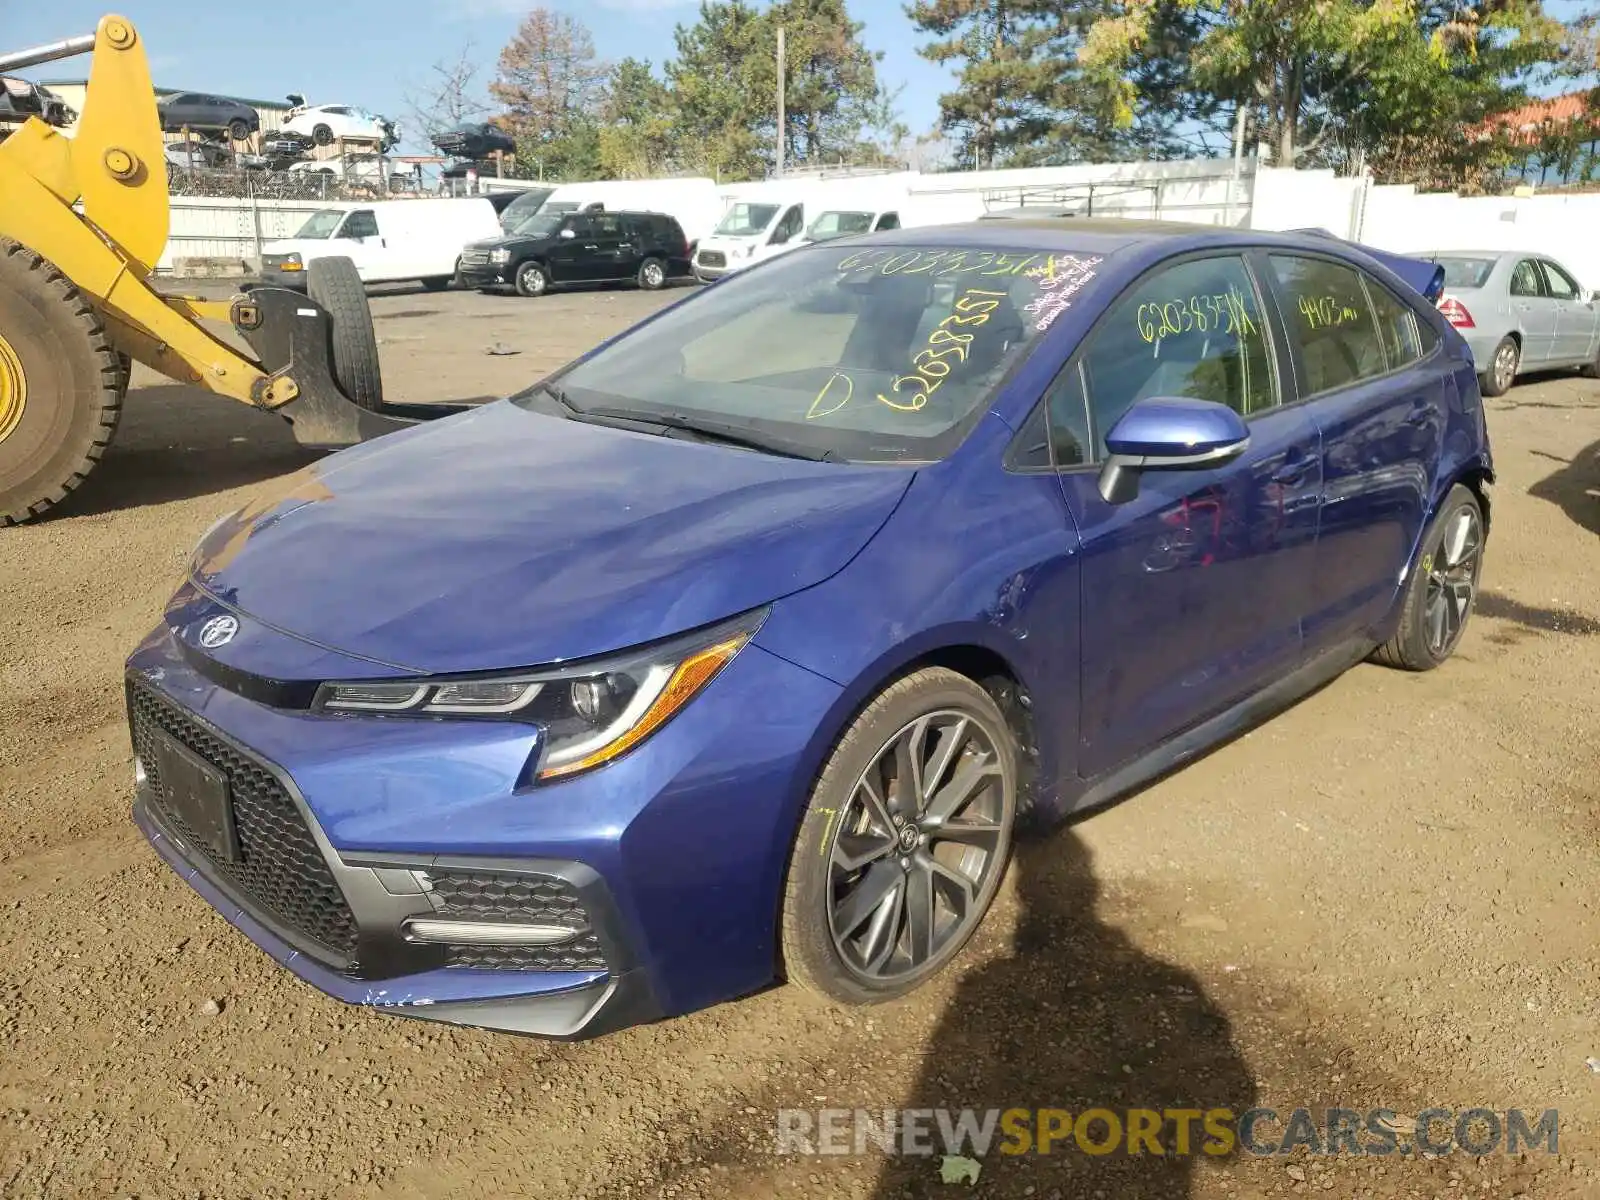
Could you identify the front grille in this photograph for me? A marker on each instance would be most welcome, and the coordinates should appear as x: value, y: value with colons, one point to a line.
x: 713, y: 258
x: 474, y: 260
x: 528, y: 899
x: 280, y: 869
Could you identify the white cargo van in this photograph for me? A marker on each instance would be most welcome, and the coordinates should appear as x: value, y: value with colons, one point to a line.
x: 694, y: 203
x: 762, y: 221
x: 388, y: 240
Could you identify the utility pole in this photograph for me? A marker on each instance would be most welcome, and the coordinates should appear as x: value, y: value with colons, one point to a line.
x: 782, y: 116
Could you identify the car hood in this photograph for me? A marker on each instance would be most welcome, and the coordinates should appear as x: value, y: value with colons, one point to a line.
x: 507, y: 241
x: 504, y: 538
x: 306, y: 247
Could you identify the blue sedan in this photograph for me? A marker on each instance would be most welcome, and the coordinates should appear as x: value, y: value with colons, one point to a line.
x: 742, y: 648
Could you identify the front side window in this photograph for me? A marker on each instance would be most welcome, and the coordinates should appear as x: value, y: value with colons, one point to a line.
x: 1562, y: 286
x: 743, y: 220
x: 888, y: 354
x: 1330, y: 321
x: 360, y: 224
x: 889, y: 221
x: 1192, y: 330
x: 1525, y: 279
x: 793, y: 222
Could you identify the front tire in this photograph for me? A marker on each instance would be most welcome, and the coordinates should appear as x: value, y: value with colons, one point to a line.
x: 437, y: 283
x: 532, y: 280
x: 1442, y: 589
x: 238, y: 130
x: 904, y: 841
x: 1502, y: 372
x: 322, y: 135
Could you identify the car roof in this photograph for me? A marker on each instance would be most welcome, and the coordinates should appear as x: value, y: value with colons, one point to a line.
x: 1099, y: 234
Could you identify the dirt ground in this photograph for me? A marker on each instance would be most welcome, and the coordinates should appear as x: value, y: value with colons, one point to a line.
x: 1386, y: 897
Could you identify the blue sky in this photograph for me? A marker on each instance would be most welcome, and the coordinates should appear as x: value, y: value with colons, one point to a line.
x: 371, y: 52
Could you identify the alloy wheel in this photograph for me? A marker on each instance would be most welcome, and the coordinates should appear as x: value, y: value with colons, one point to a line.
x: 653, y: 275
x: 916, y: 846
x: 1452, y: 580
x: 1505, y: 365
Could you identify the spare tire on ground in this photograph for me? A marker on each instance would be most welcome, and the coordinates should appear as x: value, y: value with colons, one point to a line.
x: 334, y: 284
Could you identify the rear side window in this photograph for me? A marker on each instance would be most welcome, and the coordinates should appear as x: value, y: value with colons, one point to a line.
x: 1397, y: 326
x: 1194, y: 329
x: 1466, y: 272
x: 1525, y: 279
x: 1331, y: 322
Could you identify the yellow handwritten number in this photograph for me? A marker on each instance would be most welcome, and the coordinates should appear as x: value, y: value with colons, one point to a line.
x: 820, y: 407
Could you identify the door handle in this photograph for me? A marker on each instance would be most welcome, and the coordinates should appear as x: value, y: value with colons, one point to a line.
x: 1420, y: 414
x: 1292, y: 473
x: 590, y: 246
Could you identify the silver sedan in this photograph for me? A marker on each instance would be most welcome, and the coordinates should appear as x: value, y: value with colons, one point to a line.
x: 1519, y: 312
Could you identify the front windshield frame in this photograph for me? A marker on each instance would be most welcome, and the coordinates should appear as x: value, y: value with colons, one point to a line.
x: 744, y: 210
x: 320, y: 225
x: 629, y: 373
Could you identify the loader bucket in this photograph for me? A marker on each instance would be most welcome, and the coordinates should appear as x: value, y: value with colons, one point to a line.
x: 291, y: 335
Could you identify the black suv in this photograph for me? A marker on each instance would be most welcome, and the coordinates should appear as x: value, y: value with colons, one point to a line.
x: 549, y: 250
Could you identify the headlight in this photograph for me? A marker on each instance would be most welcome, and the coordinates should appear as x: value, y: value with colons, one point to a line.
x: 499, y: 256
x: 590, y: 712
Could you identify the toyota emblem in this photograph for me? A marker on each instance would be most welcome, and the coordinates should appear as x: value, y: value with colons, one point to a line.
x: 218, y: 631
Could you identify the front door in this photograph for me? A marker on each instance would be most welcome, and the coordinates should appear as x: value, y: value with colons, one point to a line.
x: 616, y: 251
x: 572, y: 258
x: 359, y: 239
x: 1193, y: 591
x: 1575, y: 315
x: 1535, y: 312
x: 1379, y: 393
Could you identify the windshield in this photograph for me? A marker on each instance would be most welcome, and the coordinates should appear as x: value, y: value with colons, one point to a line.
x: 540, y: 224
x: 742, y: 220
x: 321, y: 223
x: 839, y: 224
x: 560, y: 206
x: 1466, y: 272
x: 886, y: 354
x: 523, y: 207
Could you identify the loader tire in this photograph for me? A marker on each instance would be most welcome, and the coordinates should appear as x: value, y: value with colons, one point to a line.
x: 334, y: 284
x: 59, y: 385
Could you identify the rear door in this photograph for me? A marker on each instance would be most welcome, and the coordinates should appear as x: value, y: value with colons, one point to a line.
x: 1534, y: 312
x: 1576, y: 315
x: 612, y: 250
x: 1379, y: 388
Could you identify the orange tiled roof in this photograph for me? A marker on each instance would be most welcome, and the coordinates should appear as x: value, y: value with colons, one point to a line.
x: 1522, y: 123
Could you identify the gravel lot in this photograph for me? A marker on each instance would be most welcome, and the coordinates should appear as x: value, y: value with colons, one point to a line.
x: 1386, y: 897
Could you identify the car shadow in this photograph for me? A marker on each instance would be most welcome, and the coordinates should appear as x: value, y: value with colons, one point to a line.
x: 178, y: 443
x: 1078, y: 1018
x: 1574, y: 487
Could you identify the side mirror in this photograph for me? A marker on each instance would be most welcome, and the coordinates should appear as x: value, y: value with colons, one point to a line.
x: 567, y: 233
x: 1168, y: 434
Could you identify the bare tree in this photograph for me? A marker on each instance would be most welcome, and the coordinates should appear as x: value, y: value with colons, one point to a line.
x: 447, y: 97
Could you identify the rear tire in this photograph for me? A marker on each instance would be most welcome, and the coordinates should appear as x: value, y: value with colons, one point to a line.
x: 1502, y: 372
x: 238, y: 130
x: 1591, y: 370
x: 1442, y: 588
x: 652, y: 275
x: 322, y: 135
x: 59, y: 393
x: 334, y: 284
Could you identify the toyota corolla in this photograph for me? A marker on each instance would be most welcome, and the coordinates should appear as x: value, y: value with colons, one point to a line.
x: 739, y: 650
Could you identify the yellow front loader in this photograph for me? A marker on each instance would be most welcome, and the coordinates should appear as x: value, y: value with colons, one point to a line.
x: 77, y: 304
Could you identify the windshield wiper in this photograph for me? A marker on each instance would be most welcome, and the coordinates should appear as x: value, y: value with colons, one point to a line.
x: 719, y: 431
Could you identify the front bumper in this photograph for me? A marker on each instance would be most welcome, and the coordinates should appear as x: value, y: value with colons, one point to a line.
x: 486, y: 275
x: 334, y: 818
x: 272, y: 276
